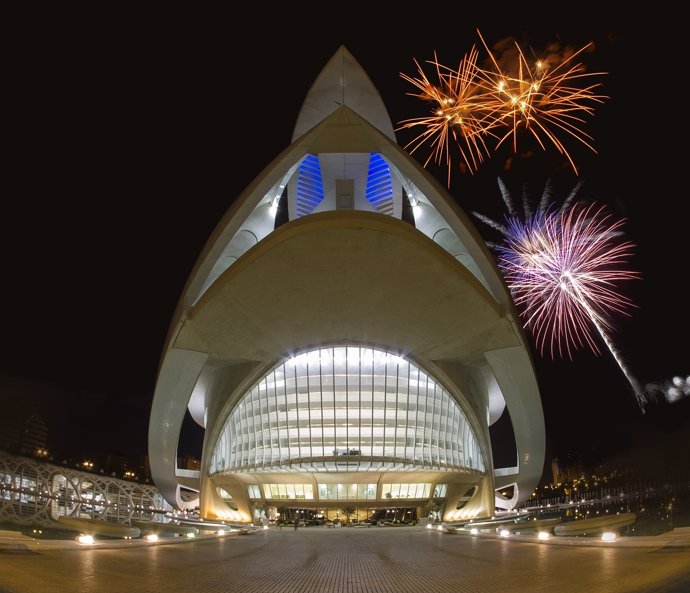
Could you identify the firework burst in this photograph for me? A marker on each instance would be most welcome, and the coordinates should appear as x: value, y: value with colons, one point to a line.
x: 547, y: 102
x: 563, y: 268
x: 478, y: 109
x: 460, y: 113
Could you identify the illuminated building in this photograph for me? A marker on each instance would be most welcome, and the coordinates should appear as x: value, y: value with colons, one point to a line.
x: 345, y: 336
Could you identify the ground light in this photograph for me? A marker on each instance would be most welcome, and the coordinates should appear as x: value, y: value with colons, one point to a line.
x: 151, y: 537
x: 608, y: 536
x: 474, y: 531
x: 504, y: 533
x: 543, y: 535
x: 428, y: 525
x: 85, y: 539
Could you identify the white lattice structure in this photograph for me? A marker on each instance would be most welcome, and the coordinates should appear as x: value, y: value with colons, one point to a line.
x: 33, y: 492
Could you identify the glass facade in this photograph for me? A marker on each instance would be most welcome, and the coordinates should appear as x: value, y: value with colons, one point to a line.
x: 289, y: 491
x: 347, y: 491
x: 346, y: 409
x: 421, y: 490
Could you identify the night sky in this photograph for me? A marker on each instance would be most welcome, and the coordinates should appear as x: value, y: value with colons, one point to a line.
x: 131, y: 139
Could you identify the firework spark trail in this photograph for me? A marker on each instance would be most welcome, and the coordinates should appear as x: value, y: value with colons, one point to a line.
x: 637, y: 390
x: 562, y: 268
x: 507, y: 199
x: 571, y: 196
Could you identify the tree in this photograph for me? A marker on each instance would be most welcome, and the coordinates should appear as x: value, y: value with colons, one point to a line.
x: 432, y: 508
x: 349, y: 510
x: 259, y: 508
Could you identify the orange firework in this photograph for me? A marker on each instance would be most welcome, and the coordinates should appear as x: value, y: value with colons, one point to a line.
x: 460, y: 111
x: 546, y: 102
x: 474, y: 106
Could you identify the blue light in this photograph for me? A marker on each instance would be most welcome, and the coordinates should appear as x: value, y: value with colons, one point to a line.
x: 379, y: 185
x: 309, y: 185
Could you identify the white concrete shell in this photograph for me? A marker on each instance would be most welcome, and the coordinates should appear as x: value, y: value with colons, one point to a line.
x: 345, y: 276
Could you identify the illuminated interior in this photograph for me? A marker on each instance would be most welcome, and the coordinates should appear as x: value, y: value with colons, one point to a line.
x: 346, y: 409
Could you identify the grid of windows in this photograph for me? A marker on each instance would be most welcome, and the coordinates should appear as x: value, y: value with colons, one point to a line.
x: 347, y: 491
x: 346, y: 409
x: 289, y: 491
x: 421, y: 490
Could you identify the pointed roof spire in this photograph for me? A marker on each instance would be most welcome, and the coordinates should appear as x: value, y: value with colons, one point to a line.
x: 343, y: 82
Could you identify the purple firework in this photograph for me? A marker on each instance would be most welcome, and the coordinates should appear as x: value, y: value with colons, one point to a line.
x: 563, y: 269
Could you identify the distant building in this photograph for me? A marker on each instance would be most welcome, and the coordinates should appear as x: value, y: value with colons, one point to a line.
x: 564, y: 473
x: 555, y: 471
x: 23, y: 431
x: 34, y: 438
x: 189, y: 462
x: 144, y: 468
x: 117, y: 464
x: 11, y: 432
x: 345, y: 336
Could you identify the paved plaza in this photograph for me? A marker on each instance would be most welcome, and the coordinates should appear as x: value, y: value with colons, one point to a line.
x: 345, y: 560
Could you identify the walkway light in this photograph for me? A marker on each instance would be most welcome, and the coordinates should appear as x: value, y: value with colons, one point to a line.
x: 608, y: 536
x: 152, y: 537
x: 543, y: 535
x: 85, y: 539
